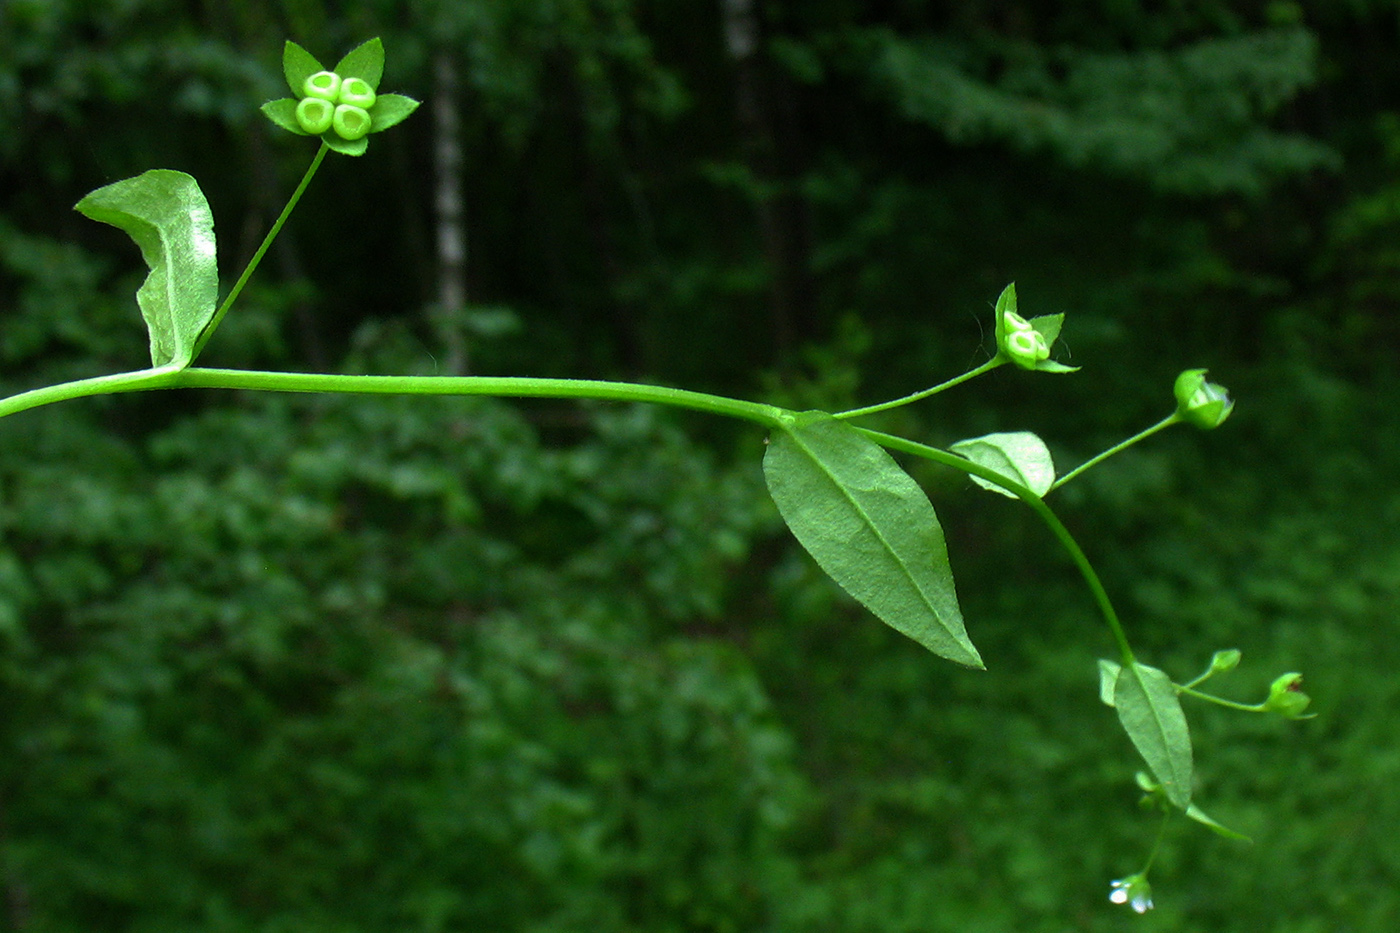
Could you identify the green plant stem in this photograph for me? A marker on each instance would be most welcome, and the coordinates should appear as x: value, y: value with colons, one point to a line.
x: 988, y: 366
x: 257, y: 257
x: 1057, y: 527
x: 509, y: 386
x: 1197, y: 681
x: 137, y: 381
x: 769, y: 416
x: 1166, y: 422
x: 1156, y: 844
x: 1219, y: 701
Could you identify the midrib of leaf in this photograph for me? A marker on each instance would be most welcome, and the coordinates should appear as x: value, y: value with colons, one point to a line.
x: 869, y: 523
x: 1176, y: 784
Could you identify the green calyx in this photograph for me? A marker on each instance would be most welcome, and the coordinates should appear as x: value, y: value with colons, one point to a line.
x: 341, y: 105
x: 1286, y: 696
x: 1204, y: 404
x: 1226, y: 660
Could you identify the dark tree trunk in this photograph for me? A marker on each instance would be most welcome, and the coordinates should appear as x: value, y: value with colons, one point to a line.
x: 16, y: 895
x: 450, y: 209
x: 767, y: 141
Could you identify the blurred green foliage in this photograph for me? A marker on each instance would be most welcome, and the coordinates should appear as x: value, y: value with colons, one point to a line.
x: 347, y: 664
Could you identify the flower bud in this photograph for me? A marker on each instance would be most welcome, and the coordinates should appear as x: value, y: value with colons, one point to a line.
x: 1226, y: 660
x: 1286, y: 696
x: 1022, y: 343
x: 323, y: 84
x: 350, y: 122
x: 356, y: 92
x: 1133, y: 890
x: 1204, y: 404
x: 314, y: 115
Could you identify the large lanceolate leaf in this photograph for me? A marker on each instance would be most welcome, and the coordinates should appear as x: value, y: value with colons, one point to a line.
x: 870, y: 527
x: 1151, y: 714
x: 166, y: 214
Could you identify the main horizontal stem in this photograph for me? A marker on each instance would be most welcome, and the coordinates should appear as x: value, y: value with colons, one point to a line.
x: 769, y: 416
x: 500, y: 386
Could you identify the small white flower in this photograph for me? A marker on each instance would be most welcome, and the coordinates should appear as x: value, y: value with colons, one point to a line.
x: 1133, y: 890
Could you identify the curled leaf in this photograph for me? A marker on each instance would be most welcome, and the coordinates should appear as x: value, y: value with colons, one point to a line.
x: 1020, y: 456
x: 165, y: 212
x: 1108, y: 680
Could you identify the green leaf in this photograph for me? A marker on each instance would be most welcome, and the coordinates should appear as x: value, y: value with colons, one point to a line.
x: 298, y: 65
x: 350, y: 147
x: 390, y: 110
x: 1108, y: 679
x: 870, y: 527
x: 365, y: 61
x: 284, y: 113
x: 1199, y: 815
x: 166, y: 214
x: 1151, y: 714
x: 1020, y: 456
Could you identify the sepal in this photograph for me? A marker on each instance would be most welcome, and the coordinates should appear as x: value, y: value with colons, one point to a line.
x: 391, y: 110
x: 298, y: 65
x: 1286, y: 697
x: 284, y: 113
x: 365, y: 61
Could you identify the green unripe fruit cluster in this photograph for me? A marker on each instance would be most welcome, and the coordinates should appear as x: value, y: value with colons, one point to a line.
x: 1021, y: 342
x: 332, y: 103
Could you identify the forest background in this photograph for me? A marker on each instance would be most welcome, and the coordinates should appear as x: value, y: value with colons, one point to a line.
x: 275, y: 663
